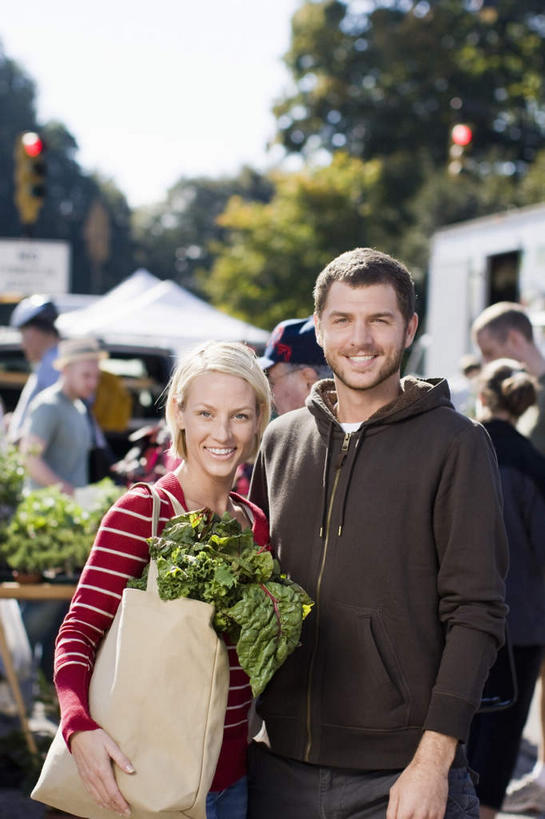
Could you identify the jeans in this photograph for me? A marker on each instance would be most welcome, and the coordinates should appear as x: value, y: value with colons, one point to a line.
x: 281, y: 788
x: 231, y: 803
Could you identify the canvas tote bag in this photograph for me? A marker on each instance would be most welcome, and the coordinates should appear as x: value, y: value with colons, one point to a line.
x: 159, y: 688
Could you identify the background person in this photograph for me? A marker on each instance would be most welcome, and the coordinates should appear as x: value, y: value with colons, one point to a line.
x: 35, y: 318
x: 504, y: 330
x: 57, y: 434
x: 218, y: 405
x: 293, y: 361
x: 385, y: 504
x: 56, y: 441
x: 505, y: 392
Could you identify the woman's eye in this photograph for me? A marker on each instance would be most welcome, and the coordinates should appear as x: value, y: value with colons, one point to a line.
x: 205, y: 413
x: 242, y: 416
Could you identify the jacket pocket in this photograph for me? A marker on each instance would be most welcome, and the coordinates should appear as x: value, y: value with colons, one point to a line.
x: 363, y: 685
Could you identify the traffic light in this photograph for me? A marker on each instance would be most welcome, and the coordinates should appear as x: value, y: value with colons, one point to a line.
x: 30, y: 173
x: 461, y: 137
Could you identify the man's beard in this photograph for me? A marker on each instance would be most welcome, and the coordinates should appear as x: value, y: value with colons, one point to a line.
x: 391, y: 366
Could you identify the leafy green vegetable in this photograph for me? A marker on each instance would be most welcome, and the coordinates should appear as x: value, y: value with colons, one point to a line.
x: 49, y: 530
x: 208, y: 558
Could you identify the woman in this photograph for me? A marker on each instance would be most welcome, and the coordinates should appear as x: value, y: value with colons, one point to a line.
x: 218, y: 406
x: 505, y: 392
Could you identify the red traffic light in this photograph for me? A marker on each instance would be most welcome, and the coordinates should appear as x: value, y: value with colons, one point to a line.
x: 32, y: 144
x: 461, y: 135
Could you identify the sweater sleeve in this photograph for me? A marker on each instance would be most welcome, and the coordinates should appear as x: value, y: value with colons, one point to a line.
x: 119, y: 553
x: 472, y: 554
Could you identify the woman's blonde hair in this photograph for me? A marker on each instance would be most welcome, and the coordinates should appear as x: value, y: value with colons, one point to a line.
x: 231, y: 358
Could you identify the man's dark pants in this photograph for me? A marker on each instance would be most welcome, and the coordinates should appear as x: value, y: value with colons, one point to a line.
x: 280, y: 788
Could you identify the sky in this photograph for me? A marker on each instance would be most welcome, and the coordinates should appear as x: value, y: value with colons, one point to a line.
x: 157, y: 90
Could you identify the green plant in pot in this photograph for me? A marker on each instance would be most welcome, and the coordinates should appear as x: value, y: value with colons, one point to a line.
x: 12, y: 474
x: 47, y: 531
x: 50, y: 532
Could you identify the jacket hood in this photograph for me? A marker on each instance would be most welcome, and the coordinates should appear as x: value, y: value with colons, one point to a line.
x: 417, y: 395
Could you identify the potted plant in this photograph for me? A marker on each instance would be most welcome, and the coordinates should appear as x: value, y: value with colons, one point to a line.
x: 50, y: 532
x: 12, y: 474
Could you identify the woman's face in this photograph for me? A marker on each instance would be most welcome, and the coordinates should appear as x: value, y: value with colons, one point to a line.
x: 220, y: 420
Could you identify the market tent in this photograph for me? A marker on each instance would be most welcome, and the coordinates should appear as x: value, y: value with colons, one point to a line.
x: 144, y: 309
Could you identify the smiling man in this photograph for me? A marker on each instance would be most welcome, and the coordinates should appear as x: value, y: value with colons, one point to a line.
x: 384, y: 503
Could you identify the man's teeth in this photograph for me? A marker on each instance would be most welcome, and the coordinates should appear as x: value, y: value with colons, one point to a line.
x: 361, y: 357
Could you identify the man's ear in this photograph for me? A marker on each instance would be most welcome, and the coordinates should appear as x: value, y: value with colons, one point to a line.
x: 317, y: 328
x: 516, y: 342
x: 410, y: 332
x: 310, y: 375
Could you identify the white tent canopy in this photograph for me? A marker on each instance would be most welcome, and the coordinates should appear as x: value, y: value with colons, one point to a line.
x: 146, y: 310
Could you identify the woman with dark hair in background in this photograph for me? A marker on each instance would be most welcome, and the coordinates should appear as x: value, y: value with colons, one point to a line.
x: 506, y: 390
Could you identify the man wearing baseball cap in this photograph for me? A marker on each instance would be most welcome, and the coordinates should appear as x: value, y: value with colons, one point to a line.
x: 57, y: 435
x: 35, y: 318
x: 293, y: 361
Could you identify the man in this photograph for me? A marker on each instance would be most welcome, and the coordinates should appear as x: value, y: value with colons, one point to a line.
x: 504, y: 330
x: 384, y: 503
x: 293, y: 361
x: 57, y: 435
x: 35, y: 318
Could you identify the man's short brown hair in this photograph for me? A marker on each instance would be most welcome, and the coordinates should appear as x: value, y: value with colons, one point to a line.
x: 362, y: 267
x: 502, y: 317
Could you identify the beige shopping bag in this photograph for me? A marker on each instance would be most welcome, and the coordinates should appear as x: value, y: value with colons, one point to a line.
x: 159, y: 688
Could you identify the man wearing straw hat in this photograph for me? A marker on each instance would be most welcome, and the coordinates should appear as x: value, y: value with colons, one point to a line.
x: 57, y: 435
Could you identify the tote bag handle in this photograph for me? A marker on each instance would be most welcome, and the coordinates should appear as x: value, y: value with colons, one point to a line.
x: 151, y: 587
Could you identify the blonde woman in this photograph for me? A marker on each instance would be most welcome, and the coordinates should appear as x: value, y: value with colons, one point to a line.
x: 218, y: 406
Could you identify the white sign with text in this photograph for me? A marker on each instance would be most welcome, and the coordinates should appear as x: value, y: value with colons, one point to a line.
x: 34, y: 266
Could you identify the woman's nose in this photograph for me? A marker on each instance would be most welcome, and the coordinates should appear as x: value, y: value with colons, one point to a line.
x: 222, y: 429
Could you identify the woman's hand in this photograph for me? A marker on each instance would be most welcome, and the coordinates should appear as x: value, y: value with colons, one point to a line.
x: 93, y: 752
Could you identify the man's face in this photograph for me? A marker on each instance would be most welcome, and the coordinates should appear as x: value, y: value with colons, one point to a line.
x: 493, y: 347
x: 364, y: 334
x: 290, y: 385
x: 81, y: 378
x: 34, y: 343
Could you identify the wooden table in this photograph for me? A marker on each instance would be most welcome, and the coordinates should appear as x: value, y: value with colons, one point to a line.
x: 26, y: 591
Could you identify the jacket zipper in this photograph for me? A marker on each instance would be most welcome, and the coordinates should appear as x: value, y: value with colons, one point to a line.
x: 344, y: 450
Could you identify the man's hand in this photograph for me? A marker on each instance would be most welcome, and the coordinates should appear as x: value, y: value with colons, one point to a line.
x: 422, y: 789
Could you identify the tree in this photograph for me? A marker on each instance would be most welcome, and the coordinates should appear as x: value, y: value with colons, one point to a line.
x: 17, y: 114
x: 394, y: 79
x: 266, y: 266
x: 70, y: 192
x: 173, y: 239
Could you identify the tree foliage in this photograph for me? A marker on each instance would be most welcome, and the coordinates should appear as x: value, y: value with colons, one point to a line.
x: 173, y: 238
x: 393, y: 76
x: 266, y: 267
x: 70, y: 191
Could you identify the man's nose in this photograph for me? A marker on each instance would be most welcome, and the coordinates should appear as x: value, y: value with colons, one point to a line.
x: 361, y: 334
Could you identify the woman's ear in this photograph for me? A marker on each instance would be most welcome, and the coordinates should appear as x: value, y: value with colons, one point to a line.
x: 178, y: 413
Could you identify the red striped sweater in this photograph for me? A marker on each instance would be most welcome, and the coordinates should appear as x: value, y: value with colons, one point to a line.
x: 119, y: 553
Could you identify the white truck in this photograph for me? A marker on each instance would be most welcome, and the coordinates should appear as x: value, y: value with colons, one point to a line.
x: 474, y: 264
